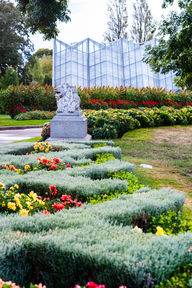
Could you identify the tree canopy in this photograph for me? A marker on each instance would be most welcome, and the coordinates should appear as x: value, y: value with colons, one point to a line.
x: 42, y: 15
x: 39, y: 67
x: 118, y: 20
x: 143, y: 26
x: 174, y: 49
x: 15, y: 45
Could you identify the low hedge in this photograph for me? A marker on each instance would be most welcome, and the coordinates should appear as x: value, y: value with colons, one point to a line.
x: 101, y: 242
x: 113, y: 123
x: 33, y: 115
x: 104, y: 124
x: 94, y: 243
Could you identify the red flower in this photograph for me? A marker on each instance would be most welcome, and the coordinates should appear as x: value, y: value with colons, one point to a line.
x: 53, y: 167
x: 66, y: 198
x: 58, y: 206
x: 91, y: 285
x: 56, y: 160
x: 53, y: 190
x: 76, y: 203
x: 68, y: 165
x: 43, y: 160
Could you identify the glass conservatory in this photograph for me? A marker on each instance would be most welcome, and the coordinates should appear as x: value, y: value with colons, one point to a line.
x: 89, y: 63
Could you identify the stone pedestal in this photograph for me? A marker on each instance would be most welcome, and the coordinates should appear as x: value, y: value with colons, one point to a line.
x: 69, y: 126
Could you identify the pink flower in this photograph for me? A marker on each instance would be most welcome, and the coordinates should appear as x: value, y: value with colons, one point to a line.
x: 45, y: 212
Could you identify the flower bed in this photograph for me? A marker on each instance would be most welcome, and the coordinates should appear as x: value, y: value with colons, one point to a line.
x: 20, y: 99
x: 126, y: 98
x: 63, y: 240
x: 113, y: 123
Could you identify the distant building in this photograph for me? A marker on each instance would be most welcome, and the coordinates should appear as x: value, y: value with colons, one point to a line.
x: 89, y: 63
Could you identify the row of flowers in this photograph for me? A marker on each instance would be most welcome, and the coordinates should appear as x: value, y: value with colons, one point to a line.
x: 90, y: 284
x: 42, y: 163
x: 14, y: 201
x: 125, y: 104
x: 9, y: 284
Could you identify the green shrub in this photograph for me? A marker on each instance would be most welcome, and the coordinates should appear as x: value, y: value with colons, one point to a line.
x: 107, y: 124
x: 18, y: 99
x: 101, y: 158
x: 182, y: 278
x: 32, y: 115
x: 9, y: 78
x: 87, y: 243
x: 172, y: 222
x: 132, y: 180
x: 122, y: 121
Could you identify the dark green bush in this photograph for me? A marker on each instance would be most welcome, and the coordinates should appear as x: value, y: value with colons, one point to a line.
x: 9, y: 78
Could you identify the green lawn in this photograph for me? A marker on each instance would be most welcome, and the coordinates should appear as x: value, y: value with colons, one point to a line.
x: 168, y: 149
x: 34, y: 139
x: 6, y: 120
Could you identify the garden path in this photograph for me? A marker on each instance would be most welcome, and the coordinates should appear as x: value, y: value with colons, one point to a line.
x: 9, y: 136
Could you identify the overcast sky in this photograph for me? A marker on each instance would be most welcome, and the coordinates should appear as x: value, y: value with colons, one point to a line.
x: 89, y: 19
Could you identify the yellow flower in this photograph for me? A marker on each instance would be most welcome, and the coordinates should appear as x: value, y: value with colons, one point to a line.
x: 17, y: 201
x: 46, y: 150
x: 11, y: 206
x: 16, y: 186
x: 29, y: 206
x: 2, y: 186
x: 33, y: 195
x: 3, y: 204
x: 27, y: 167
x: 41, y: 202
x: 19, y: 171
x: 24, y: 212
x: 160, y: 231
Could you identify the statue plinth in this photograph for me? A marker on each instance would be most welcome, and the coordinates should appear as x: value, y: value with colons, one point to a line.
x: 69, y: 124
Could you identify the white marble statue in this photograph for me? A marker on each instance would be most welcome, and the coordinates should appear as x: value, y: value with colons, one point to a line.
x: 68, y: 100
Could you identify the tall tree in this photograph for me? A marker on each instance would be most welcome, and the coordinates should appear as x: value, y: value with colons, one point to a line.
x: 15, y: 45
x: 42, y: 15
x: 39, y: 67
x: 143, y: 26
x: 118, y: 20
x: 174, y: 50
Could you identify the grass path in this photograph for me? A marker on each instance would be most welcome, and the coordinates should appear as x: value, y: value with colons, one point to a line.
x: 168, y: 150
